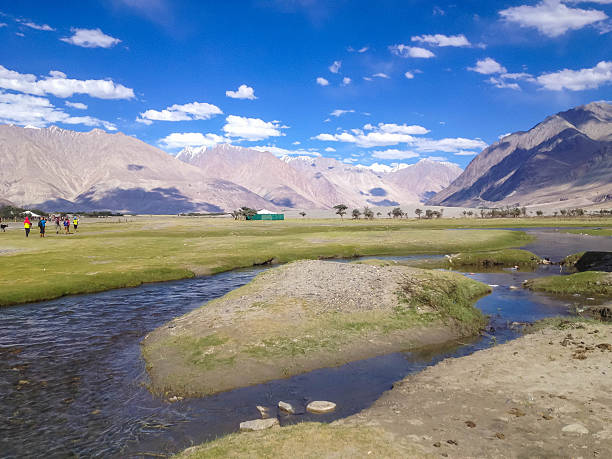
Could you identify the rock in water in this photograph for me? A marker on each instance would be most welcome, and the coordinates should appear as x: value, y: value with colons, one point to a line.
x: 264, y: 411
x: 286, y: 407
x: 575, y: 428
x: 258, y: 424
x: 321, y: 407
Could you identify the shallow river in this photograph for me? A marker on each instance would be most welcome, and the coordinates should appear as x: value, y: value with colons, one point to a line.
x: 72, y: 380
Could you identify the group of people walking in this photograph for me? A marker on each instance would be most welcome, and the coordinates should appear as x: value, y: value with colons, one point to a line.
x: 42, y: 224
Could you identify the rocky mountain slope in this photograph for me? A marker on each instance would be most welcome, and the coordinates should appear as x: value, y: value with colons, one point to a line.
x: 54, y: 169
x: 565, y: 160
x: 306, y: 182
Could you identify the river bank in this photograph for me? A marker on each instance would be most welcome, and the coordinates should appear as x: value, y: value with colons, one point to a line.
x: 308, y: 315
x: 544, y: 394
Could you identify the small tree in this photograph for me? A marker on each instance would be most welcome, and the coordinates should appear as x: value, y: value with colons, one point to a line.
x: 340, y: 210
x: 429, y: 213
x: 356, y: 213
x: 464, y: 213
x: 378, y: 214
x: 418, y: 212
x: 367, y: 213
x: 247, y: 212
x: 470, y: 213
x: 303, y: 214
x: 397, y: 212
x: 539, y: 213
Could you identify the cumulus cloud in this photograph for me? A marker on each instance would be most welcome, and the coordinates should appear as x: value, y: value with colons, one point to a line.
x: 409, y: 75
x: 346, y: 81
x: 339, y: 112
x: 449, y: 145
x: 58, y: 85
x: 465, y: 153
x: 185, y: 112
x: 244, y: 92
x: 251, y: 129
x: 90, y: 38
x: 23, y: 109
x: 322, y: 81
x: 394, y: 154
x: 577, y: 80
x: 32, y: 25
x: 503, y: 84
x: 381, y: 135
x: 443, y: 40
x: 384, y: 135
x: 330, y: 149
x: 551, y: 17
x: 335, y: 67
x: 77, y: 105
x: 488, y: 66
x: 191, y: 139
x: 411, y: 51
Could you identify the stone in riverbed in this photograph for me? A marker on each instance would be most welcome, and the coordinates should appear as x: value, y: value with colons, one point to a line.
x: 286, y: 407
x: 575, y: 428
x: 264, y: 411
x: 321, y: 407
x: 258, y: 424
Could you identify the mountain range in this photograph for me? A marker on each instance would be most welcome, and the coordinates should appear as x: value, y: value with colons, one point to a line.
x: 565, y: 160
x: 58, y: 169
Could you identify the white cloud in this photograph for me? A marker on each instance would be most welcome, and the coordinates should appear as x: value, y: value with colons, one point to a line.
x: 191, y: 139
x: 280, y: 152
x: 60, y: 86
x: 398, y: 128
x: 551, y: 17
x: 379, y: 75
x: 77, y: 105
x: 466, y: 153
x: 448, y: 145
x: 251, y: 129
x: 350, y: 49
x: 395, y: 154
x: 503, y: 84
x: 438, y: 158
x: 577, y: 80
x: 91, y: 38
x: 330, y: 149
x: 335, y: 67
x: 411, y: 51
x: 185, y: 112
x: 346, y: 81
x: 339, y: 112
x: 488, y: 66
x: 377, y: 136
x: 32, y: 25
x: 443, y: 40
x: 297, y: 142
x: 367, y: 78
x: 3, y: 24
x: 23, y: 109
x: 244, y: 92
x: 409, y: 75
x: 322, y: 81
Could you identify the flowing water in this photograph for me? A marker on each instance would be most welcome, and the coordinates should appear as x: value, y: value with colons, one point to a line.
x: 72, y: 382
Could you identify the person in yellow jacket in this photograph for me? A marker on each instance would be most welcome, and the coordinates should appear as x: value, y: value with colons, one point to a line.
x: 75, y: 222
x: 27, y: 224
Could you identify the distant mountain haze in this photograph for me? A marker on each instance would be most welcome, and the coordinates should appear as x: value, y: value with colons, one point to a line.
x: 565, y: 160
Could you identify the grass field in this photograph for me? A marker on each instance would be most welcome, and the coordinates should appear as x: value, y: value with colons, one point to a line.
x: 114, y: 253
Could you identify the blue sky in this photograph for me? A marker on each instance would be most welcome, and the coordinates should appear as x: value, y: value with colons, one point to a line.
x: 363, y: 81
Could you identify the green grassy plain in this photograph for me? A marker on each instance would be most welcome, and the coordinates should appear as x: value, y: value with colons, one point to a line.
x: 592, y: 232
x: 107, y: 254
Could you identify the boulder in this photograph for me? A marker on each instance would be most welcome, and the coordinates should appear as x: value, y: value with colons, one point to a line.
x: 321, y: 407
x: 258, y: 424
x: 575, y: 428
x: 286, y: 407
